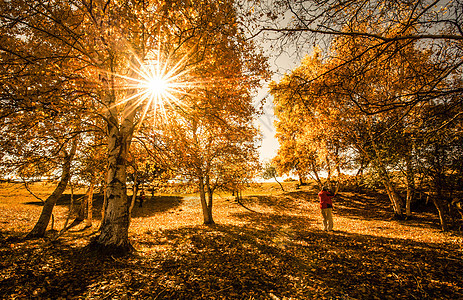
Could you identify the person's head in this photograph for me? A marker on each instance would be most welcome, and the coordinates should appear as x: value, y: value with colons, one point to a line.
x: 324, y: 189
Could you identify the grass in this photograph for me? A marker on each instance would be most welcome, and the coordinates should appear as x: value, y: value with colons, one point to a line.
x: 268, y: 246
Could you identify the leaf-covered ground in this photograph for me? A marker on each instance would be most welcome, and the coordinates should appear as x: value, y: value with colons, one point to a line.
x: 269, y: 246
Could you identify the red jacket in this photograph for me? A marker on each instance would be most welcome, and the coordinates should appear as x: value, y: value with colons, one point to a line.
x: 325, y: 199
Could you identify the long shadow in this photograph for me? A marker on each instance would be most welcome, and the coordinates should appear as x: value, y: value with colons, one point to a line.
x: 307, y: 264
x: 241, y: 262
x: 156, y: 205
x: 377, y: 206
x: 366, y: 206
x: 151, y: 205
x: 372, y: 206
x: 283, y: 202
x: 274, y: 254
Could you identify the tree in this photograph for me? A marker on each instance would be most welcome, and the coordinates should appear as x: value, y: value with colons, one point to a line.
x: 211, y: 139
x: 271, y: 172
x: 104, y: 52
x: 42, y: 223
x: 307, y: 126
x: 434, y: 25
x: 440, y: 157
x: 329, y: 119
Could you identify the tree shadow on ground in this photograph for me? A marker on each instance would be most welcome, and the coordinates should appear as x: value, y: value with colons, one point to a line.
x: 371, y: 206
x: 283, y: 202
x: 155, y: 205
x: 151, y: 205
x: 377, y: 206
x: 239, y: 262
x: 65, y: 200
x: 273, y: 255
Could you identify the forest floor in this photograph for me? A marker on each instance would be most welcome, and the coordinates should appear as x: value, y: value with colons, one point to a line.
x: 268, y: 246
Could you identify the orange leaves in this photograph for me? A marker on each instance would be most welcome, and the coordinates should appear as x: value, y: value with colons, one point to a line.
x: 308, y: 124
x: 271, y: 247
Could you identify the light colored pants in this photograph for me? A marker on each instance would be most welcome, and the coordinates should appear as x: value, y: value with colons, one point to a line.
x: 327, y: 218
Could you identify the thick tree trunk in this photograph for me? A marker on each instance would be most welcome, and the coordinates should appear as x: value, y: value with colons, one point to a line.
x: 114, y: 229
x: 42, y: 224
x: 116, y: 219
x: 408, y: 203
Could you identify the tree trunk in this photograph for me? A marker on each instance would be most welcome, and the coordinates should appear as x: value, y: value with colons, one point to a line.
x: 89, y: 222
x: 395, y: 199
x: 281, y: 186
x: 70, y: 210
x: 202, y: 195
x: 114, y: 229
x: 134, y: 191
x: 116, y: 220
x: 328, y: 169
x: 210, y: 193
x: 42, y: 224
x: 317, y: 177
x: 301, y: 178
x: 386, y: 180
x: 408, y: 203
x: 85, y: 209
x: 437, y: 200
x: 410, y: 177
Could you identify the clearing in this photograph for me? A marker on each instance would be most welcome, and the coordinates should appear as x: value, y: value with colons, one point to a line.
x: 268, y: 246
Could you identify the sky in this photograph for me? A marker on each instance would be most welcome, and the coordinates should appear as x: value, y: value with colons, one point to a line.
x: 280, y: 64
x: 269, y: 145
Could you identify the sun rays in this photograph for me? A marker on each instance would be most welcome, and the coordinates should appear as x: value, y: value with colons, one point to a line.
x: 158, y: 85
x: 154, y: 84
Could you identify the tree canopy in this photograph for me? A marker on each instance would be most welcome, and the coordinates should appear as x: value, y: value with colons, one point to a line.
x: 368, y: 102
x: 111, y: 68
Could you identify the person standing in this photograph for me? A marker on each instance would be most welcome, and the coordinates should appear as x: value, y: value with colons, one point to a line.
x: 326, y: 205
x: 142, y: 197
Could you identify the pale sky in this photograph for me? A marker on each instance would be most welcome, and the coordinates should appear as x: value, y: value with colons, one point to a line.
x: 280, y: 64
x: 269, y: 144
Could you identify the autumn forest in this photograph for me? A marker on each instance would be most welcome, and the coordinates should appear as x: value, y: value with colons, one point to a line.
x: 130, y: 162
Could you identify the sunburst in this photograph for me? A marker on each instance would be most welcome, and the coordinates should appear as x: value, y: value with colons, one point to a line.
x: 159, y: 84
x: 158, y: 87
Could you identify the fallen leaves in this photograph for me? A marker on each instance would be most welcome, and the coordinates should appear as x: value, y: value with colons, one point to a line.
x: 276, y: 251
